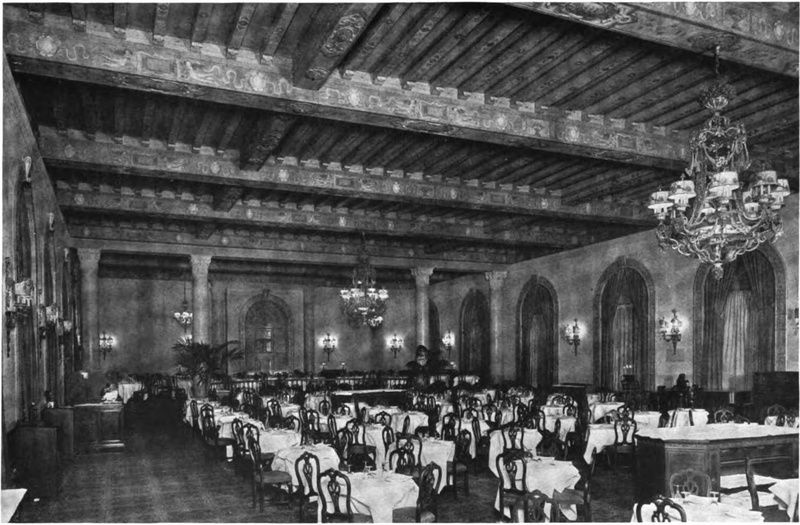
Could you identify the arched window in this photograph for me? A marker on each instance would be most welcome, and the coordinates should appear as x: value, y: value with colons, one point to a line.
x: 266, y: 330
x: 736, y: 328
x: 474, y: 328
x: 624, y: 329
x: 537, y: 334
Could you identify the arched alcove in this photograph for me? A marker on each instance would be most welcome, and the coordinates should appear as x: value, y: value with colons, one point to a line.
x: 434, y: 330
x: 753, y: 291
x: 474, y: 330
x: 624, y: 324
x: 266, y: 334
x: 537, y: 333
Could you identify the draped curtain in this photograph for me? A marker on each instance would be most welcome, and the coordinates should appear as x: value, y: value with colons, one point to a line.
x: 735, y: 342
x: 537, y: 360
x: 537, y: 338
x: 753, y: 272
x: 474, y: 355
x: 625, y: 287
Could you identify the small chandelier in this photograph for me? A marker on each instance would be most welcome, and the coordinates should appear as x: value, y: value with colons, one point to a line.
x: 364, y: 303
x: 725, y: 220
x: 106, y: 342
x: 184, y: 316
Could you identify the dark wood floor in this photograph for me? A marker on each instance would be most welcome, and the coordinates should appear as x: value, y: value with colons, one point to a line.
x: 164, y: 477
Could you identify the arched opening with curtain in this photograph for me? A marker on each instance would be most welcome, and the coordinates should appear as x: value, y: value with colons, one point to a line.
x: 624, y: 325
x: 24, y: 268
x: 266, y: 335
x: 434, y: 330
x: 736, y: 321
x: 474, y: 330
x: 537, y: 334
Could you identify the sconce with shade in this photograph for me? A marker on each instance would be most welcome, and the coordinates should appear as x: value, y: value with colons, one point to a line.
x: 328, y: 345
x: 794, y: 315
x: 107, y: 343
x: 448, y: 341
x: 572, y: 335
x: 671, y: 330
x: 395, y: 344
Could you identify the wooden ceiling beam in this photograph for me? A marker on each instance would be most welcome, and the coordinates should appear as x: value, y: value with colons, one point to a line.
x: 278, y: 29
x: 242, y: 215
x: 754, y: 35
x: 320, y: 55
x: 78, y: 12
x: 264, y: 139
x: 120, y: 15
x: 200, y: 25
x: 85, y: 155
x: 380, y: 37
x: 244, y: 13
x: 160, y: 24
x: 147, y: 68
x: 232, y: 123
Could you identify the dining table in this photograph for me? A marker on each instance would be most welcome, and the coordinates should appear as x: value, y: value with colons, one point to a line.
x: 789, y: 422
x: 275, y: 439
x: 547, y: 475
x: 286, y: 458
x: 785, y: 494
x: 437, y: 451
x: 706, y: 509
x: 568, y: 424
x: 378, y: 493
x: 680, y: 417
x: 127, y: 389
x: 602, y: 409
x: 466, y: 424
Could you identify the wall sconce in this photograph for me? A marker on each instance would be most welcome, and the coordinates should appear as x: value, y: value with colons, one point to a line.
x: 27, y: 162
x: 671, y: 330
x: 328, y: 345
x: 18, y: 297
x: 794, y: 315
x: 395, y: 344
x: 448, y: 341
x: 106, y: 343
x: 572, y: 335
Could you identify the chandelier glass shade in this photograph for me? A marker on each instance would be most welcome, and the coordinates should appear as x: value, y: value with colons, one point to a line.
x: 709, y: 213
x: 184, y: 317
x: 364, y: 303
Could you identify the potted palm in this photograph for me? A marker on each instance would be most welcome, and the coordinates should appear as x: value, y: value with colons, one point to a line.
x: 204, y: 362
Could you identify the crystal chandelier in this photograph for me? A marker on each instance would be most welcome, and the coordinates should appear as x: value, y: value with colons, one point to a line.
x: 364, y: 303
x: 184, y: 317
x: 725, y: 220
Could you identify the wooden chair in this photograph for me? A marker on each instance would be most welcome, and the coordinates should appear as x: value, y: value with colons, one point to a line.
x: 529, y: 508
x: 343, y: 410
x: 481, y: 442
x: 691, y: 481
x: 723, y: 415
x: 660, y: 513
x: 759, y: 500
x: 429, y: 480
x: 387, y: 436
x: 461, y: 462
x: 274, y: 415
x: 513, y: 437
x: 336, y: 496
x: 195, y: 417
x: 240, y: 457
x: 359, y: 453
x: 324, y: 407
x: 550, y: 445
x: 624, y: 439
x: 306, y: 468
x: 413, y: 444
x: 252, y: 432
x: 512, y: 473
x: 402, y: 461
x: 210, y: 429
x: 384, y: 418
x: 580, y: 496
x: 449, y: 428
x: 263, y: 478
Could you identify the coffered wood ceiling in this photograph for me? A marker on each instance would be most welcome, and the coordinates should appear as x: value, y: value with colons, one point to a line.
x: 460, y: 136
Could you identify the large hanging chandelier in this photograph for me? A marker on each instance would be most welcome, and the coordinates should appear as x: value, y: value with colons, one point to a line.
x: 725, y: 220
x: 183, y: 316
x: 364, y: 303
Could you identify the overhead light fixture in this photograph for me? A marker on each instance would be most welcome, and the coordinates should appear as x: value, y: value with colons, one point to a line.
x: 572, y: 335
x: 448, y: 341
x: 106, y: 343
x: 725, y: 220
x: 395, y: 345
x: 364, y: 303
x: 184, y: 317
x: 671, y: 330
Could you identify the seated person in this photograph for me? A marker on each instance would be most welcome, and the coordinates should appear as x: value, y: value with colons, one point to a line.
x: 110, y: 394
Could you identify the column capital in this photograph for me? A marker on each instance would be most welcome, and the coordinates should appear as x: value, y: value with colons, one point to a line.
x: 422, y: 274
x: 89, y: 259
x: 200, y: 264
x: 496, y: 279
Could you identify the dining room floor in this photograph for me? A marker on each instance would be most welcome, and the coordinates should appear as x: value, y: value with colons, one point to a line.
x: 163, y: 476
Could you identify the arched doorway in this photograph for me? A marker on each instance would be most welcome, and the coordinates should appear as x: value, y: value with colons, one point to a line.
x: 266, y: 334
x: 434, y: 330
x: 736, y: 321
x: 474, y: 328
x: 624, y: 325
x: 537, y: 334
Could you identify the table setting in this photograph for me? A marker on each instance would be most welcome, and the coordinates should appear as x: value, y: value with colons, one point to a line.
x: 275, y: 439
x: 530, y: 440
x: 378, y: 493
x: 286, y: 458
x: 680, y: 417
x: 706, y: 509
x: 547, y: 475
x: 466, y: 424
x: 600, y: 409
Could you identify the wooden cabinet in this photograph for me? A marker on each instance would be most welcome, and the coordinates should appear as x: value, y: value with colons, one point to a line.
x: 771, y: 388
x: 34, y: 455
x: 99, y: 427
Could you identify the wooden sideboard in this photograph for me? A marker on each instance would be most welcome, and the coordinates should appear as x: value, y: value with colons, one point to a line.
x: 718, y: 450
x: 99, y: 427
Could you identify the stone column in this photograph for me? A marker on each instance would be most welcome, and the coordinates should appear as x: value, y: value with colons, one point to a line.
x: 201, y: 309
x: 309, y: 344
x: 90, y: 295
x: 495, y: 304
x: 422, y: 277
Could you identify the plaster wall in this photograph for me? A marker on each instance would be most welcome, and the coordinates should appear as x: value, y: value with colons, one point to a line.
x: 448, y: 297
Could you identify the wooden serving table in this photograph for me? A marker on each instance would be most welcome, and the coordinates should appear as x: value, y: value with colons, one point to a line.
x: 99, y: 427
x: 718, y: 450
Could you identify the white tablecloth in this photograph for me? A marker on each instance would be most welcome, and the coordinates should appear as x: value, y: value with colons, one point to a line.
x: 274, y: 440
x: 466, y: 424
x: 548, y: 475
x: 567, y: 425
x: 700, y: 509
x: 378, y: 494
x: 648, y: 418
x: 681, y: 419
x: 530, y: 439
x: 435, y: 451
x: 601, y: 435
x: 599, y: 410
x: 225, y: 423
x: 313, y: 400
x: 416, y: 419
x: 341, y: 421
x: 9, y: 501
x: 126, y: 390
x: 552, y: 410
x: 772, y: 420
x: 285, y: 459
x: 785, y: 494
